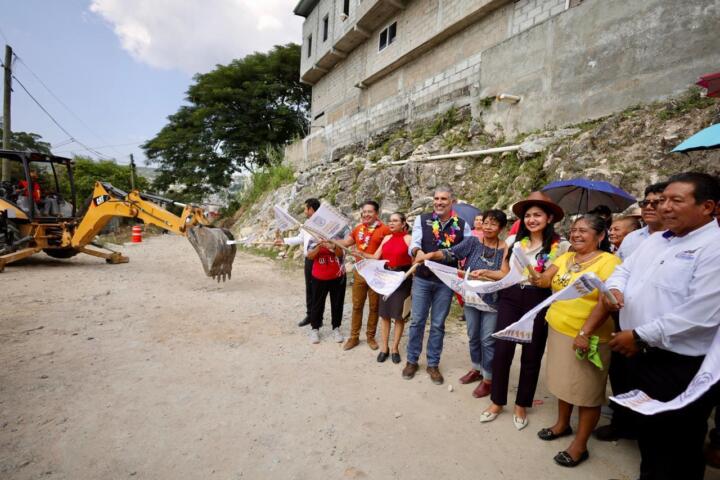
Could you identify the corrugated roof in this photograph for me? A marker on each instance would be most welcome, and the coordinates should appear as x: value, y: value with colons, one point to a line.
x: 304, y: 7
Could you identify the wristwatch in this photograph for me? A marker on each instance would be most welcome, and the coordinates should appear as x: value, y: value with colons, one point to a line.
x: 582, y: 333
x: 642, y: 344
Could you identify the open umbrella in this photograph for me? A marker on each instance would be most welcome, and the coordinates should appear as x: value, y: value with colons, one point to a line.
x: 467, y: 212
x: 581, y: 195
x: 711, y: 81
x: 705, y: 139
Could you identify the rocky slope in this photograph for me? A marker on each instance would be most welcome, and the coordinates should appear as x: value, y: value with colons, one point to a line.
x: 629, y: 149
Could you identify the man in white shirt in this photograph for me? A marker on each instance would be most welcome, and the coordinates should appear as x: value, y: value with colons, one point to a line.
x: 650, y: 216
x: 669, y: 295
x: 303, y: 238
x: 621, y: 424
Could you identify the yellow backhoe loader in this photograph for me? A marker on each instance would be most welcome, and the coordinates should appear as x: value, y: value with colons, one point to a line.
x: 41, y: 216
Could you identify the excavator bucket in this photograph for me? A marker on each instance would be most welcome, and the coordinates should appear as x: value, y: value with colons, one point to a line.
x: 215, y: 254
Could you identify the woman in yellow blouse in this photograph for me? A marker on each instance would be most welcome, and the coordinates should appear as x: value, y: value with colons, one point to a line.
x: 573, y: 323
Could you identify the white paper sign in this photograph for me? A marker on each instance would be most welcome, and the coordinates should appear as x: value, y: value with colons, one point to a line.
x: 382, y: 281
x: 327, y: 222
x: 283, y: 220
x: 703, y: 380
x: 521, y: 331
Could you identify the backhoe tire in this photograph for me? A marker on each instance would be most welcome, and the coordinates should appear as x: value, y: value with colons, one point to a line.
x: 66, y: 252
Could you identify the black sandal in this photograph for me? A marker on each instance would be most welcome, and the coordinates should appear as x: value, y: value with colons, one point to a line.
x: 547, y: 434
x: 563, y: 458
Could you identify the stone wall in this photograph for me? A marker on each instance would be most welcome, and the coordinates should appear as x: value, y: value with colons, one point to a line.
x: 599, y: 58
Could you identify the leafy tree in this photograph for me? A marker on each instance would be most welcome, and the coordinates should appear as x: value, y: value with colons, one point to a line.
x: 236, y: 114
x: 88, y: 171
x: 24, y: 141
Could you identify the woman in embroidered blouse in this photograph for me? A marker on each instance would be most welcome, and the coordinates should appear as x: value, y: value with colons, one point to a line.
x: 487, y: 253
x: 394, y: 249
x: 576, y: 325
x: 542, y: 245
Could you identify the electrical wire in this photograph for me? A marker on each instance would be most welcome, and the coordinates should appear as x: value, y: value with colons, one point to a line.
x: 82, y: 122
x: 98, y: 154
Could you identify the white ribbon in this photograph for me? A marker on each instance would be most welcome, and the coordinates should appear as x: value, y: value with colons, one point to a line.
x: 521, y: 331
x: 382, y: 281
x: 449, y: 276
x: 703, y: 380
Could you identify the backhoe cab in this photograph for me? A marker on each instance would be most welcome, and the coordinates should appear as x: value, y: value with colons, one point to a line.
x: 38, y: 212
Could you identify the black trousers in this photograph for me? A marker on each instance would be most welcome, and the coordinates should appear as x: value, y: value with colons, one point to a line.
x: 308, y: 286
x: 715, y: 432
x: 320, y: 290
x: 513, y: 303
x: 671, y: 443
x: 620, y: 382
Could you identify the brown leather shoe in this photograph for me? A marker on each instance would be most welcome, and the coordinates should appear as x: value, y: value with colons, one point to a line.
x: 471, y: 376
x: 372, y: 343
x: 435, y: 375
x: 409, y: 371
x: 351, y: 343
x: 482, y: 390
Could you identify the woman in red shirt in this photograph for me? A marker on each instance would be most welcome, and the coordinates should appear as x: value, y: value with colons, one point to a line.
x: 394, y: 249
x: 328, y: 275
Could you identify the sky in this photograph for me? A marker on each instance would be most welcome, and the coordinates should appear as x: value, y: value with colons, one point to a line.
x: 111, y: 71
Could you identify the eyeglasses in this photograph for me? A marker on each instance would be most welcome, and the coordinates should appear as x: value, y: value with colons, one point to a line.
x: 649, y: 203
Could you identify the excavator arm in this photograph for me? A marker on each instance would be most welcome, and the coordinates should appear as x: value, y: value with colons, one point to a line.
x: 108, y: 202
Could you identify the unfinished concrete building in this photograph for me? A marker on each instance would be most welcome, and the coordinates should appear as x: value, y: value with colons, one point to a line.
x: 377, y: 64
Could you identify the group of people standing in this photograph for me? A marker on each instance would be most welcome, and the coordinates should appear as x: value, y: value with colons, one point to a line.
x: 653, y: 336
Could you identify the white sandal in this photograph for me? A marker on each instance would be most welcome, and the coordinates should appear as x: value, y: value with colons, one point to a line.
x: 488, y: 416
x: 520, y: 422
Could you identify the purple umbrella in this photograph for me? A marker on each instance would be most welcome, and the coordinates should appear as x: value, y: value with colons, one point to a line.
x: 582, y: 195
x: 467, y: 212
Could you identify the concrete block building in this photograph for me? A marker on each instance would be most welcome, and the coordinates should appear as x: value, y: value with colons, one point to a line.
x: 377, y: 64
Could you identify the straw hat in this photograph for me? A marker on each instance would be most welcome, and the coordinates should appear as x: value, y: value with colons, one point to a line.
x: 540, y: 199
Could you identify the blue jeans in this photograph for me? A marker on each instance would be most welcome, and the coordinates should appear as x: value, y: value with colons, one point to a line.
x: 480, y: 327
x: 434, y: 298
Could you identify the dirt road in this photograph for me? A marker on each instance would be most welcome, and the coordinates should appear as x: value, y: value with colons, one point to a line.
x: 150, y: 370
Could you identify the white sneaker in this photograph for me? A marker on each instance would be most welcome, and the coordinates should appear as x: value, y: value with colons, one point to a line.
x: 337, y: 336
x: 314, y: 335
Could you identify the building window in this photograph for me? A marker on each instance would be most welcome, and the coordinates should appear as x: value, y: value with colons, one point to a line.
x: 309, y: 43
x: 346, y: 8
x: 326, y: 27
x: 387, y: 36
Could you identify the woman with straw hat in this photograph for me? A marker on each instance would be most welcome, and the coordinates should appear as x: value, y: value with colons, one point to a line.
x: 536, y: 236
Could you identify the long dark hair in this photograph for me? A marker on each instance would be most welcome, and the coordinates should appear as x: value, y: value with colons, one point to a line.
x: 549, y: 235
x: 597, y: 223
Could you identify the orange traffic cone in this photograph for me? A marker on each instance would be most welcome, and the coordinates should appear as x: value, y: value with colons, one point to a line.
x: 136, y: 234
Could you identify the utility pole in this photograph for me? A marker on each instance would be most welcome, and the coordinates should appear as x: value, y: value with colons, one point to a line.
x: 132, y: 172
x: 6, y: 111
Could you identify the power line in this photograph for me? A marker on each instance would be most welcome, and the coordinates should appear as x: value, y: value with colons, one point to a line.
x: 82, y: 122
x: 100, y: 147
x: 101, y: 155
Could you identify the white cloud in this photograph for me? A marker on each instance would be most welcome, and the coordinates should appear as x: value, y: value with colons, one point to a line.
x: 195, y: 35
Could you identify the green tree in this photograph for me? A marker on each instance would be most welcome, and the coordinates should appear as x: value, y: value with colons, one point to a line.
x: 237, y: 113
x: 24, y: 141
x: 88, y: 171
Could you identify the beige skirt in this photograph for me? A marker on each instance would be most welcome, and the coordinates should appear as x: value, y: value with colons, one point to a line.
x: 574, y: 381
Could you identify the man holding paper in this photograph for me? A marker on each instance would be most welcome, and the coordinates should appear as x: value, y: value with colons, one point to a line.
x: 431, y: 231
x: 484, y: 253
x: 367, y: 237
x: 303, y: 238
x: 668, y: 291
